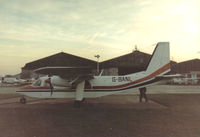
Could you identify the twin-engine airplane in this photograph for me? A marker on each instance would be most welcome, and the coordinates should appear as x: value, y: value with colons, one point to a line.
x: 80, y: 86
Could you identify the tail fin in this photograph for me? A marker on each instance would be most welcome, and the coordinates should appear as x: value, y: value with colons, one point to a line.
x: 160, y: 58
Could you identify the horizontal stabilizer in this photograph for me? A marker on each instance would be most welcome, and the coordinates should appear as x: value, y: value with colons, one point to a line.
x: 173, y: 76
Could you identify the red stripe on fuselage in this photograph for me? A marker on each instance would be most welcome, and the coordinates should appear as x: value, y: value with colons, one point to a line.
x: 159, y: 71
x: 32, y: 87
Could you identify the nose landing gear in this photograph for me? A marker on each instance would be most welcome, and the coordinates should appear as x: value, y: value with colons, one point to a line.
x: 22, y: 100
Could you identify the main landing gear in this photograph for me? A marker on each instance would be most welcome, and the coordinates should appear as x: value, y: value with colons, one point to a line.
x: 22, y: 100
x: 77, y: 103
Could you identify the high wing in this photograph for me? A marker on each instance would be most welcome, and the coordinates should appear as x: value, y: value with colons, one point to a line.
x: 64, y: 71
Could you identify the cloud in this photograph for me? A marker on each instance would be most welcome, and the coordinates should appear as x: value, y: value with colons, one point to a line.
x: 39, y: 28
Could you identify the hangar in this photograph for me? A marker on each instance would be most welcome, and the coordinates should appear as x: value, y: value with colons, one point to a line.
x: 129, y: 63
x: 126, y: 64
x: 190, y: 68
x: 59, y: 59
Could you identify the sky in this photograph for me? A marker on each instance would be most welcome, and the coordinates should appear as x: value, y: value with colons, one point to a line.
x: 33, y: 29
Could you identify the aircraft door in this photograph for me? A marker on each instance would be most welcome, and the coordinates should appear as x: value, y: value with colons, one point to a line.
x: 87, y: 85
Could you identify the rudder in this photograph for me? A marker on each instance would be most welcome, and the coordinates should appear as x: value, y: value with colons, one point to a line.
x: 160, y: 58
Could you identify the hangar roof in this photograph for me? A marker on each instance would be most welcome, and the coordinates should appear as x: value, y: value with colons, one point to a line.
x: 60, y: 59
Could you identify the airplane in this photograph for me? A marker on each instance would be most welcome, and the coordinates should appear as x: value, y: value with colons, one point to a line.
x: 185, y: 81
x: 14, y: 81
x: 70, y: 82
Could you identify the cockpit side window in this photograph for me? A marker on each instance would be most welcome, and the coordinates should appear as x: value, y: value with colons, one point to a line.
x: 37, y: 83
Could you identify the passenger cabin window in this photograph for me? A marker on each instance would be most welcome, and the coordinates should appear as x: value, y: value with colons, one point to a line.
x: 37, y: 83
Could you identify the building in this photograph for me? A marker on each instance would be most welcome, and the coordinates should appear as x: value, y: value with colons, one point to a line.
x: 190, y: 68
x: 126, y: 64
x: 59, y: 59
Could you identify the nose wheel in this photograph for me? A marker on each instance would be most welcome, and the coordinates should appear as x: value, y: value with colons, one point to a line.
x: 22, y: 100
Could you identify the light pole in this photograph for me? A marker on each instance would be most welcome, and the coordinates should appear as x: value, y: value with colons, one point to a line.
x: 97, y: 56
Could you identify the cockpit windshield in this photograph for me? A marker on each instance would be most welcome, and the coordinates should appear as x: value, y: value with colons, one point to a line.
x: 37, y: 82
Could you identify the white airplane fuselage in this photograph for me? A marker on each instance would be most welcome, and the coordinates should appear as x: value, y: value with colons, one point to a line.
x: 99, y: 86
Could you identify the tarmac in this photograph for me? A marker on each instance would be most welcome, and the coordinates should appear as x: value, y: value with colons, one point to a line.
x: 172, y: 111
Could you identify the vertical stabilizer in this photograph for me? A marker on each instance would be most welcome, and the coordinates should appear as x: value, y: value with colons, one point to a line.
x: 160, y: 58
